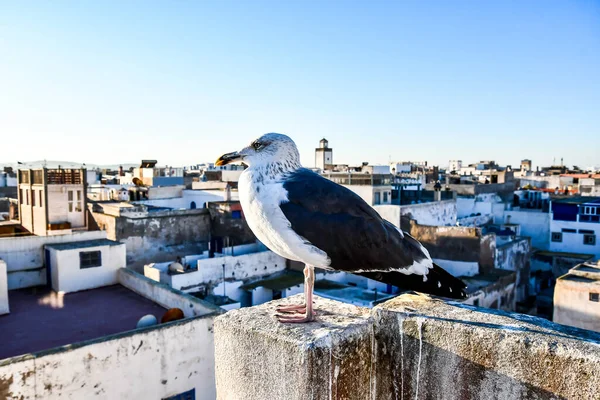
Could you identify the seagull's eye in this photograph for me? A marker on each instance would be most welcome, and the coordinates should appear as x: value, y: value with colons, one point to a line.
x: 257, y: 145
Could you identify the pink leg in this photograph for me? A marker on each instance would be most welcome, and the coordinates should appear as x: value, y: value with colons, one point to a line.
x: 307, y: 308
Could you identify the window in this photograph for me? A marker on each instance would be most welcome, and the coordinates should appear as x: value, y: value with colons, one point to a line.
x: 22, y: 196
x: 27, y: 197
x: 476, y: 302
x: 595, y: 297
x: 589, y: 210
x: 557, y: 236
x: 90, y: 259
x: 74, y: 198
x: 566, y: 230
x: 33, y: 198
x: 78, y: 205
x: 385, y: 197
x: 377, y: 198
x: 189, y: 395
x: 41, y: 202
x: 70, y: 200
x: 589, y: 240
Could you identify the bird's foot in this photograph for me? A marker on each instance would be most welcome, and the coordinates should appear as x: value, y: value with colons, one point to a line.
x: 296, y: 319
x: 297, y: 308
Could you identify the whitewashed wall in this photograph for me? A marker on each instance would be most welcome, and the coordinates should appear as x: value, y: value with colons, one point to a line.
x: 148, y: 363
x: 364, y: 191
x: 164, y: 295
x: 534, y: 224
x: 261, y: 295
x: 435, y: 213
x: 185, y: 199
x: 67, y: 276
x: 4, y: 306
x: 484, y: 204
x: 24, y: 256
x: 210, y: 270
x: 58, y: 205
x: 459, y: 268
x: 573, y: 242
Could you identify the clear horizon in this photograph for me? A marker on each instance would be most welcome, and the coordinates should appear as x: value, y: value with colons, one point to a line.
x: 108, y: 83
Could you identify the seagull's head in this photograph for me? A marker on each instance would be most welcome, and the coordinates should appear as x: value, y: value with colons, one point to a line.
x: 267, y: 149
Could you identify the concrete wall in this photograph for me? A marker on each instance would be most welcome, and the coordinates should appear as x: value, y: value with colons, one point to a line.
x: 534, y: 224
x: 435, y: 213
x: 24, y: 256
x: 157, y: 236
x: 165, y: 192
x: 165, y: 295
x: 67, y: 276
x: 411, y: 347
x: 452, y: 244
x: 501, y: 294
x: 4, y: 306
x: 147, y: 363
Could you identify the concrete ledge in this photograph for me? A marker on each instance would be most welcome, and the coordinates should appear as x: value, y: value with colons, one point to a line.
x: 425, y: 348
x: 409, y: 347
x: 259, y: 358
x: 165, y: 295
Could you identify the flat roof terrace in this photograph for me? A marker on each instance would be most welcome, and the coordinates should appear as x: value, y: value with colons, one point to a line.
x: 41, y: 319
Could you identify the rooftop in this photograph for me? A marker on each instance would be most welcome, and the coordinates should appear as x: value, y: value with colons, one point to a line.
x: 41, y: 319
x: 279, y: 281
x: 577, y: 200
x: 586, y: 273
x: 562, y: 254
x: 350, y: 294
x: 83, y: 244
x: 480, y: 281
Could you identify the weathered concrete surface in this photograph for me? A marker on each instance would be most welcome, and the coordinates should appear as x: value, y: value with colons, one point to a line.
x: 146, y: 363
x: 259, y: 358
x: 412, y: 347
x: 450, y: 351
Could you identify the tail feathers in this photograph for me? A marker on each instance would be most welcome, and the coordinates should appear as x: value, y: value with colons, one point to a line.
x: 439, y: 282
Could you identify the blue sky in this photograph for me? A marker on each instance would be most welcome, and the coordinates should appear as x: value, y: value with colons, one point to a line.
x: 184, y: 81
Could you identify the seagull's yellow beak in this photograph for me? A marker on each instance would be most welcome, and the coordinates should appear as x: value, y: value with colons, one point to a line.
x: 228, y: 158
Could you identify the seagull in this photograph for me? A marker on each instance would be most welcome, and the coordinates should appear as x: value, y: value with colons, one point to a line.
x: 302, y: 216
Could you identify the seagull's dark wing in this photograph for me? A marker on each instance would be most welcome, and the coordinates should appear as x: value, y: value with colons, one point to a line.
x: 352, y: 233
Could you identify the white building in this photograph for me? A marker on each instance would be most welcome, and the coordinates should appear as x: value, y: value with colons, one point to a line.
x: 76, y: 266
x: 577, y: 297
x: 375, y: 189
x: 454, y: 165
x: 575, y: 225
x: 323, y: 155
x: 52, y: 201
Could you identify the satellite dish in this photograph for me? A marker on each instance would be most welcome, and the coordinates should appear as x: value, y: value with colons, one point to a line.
x: 147, y: 320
